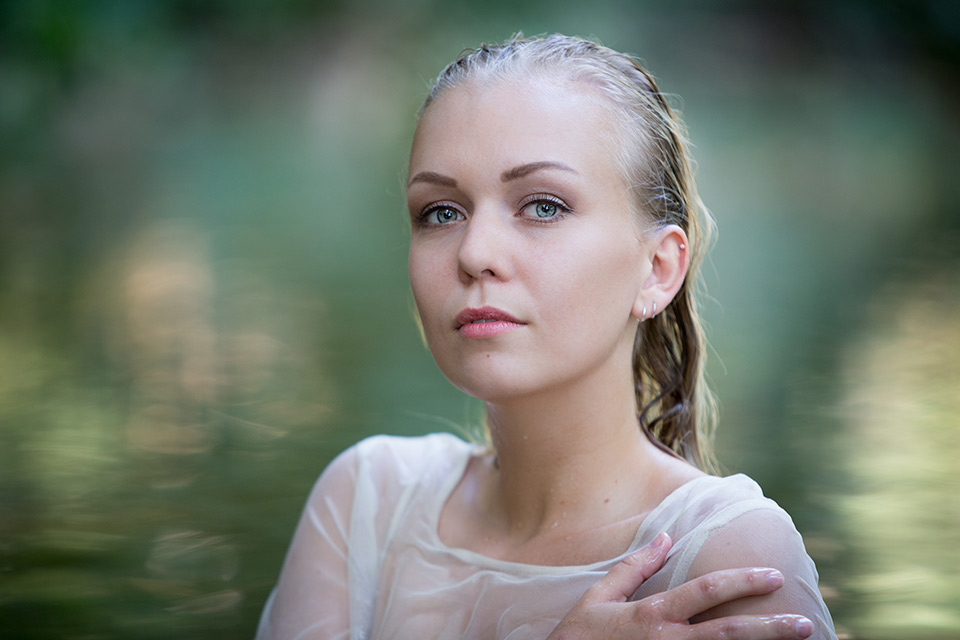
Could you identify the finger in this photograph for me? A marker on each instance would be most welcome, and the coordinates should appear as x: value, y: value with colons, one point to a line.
x: 628, y: 574
x: 784, y: 627
x: 707, y: 591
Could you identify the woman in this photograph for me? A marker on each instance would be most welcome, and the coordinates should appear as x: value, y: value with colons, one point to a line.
x: 555, y: 235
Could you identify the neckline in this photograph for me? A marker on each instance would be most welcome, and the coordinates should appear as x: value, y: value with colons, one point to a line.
x: 482, y: 561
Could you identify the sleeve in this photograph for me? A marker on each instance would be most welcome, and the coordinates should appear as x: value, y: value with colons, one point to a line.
x: 311, y: 598
x: 765, y: 537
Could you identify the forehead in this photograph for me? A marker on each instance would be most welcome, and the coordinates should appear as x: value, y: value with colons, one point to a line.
x: 518, y: 119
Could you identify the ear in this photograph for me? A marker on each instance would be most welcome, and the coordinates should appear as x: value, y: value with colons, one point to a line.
x: 669, y: 256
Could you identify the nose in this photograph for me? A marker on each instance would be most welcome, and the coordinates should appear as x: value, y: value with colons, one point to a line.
x: 483, y: 251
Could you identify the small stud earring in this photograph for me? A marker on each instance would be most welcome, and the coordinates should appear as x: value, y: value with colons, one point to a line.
x: 682, y: 246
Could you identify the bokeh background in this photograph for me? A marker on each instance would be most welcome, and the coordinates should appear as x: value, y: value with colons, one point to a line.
x: 203, y: 291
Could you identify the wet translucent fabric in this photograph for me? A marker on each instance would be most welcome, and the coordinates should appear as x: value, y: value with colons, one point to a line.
x: 366, y: 561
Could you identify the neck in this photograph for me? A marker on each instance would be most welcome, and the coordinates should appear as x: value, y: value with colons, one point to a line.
x: 569, y: 457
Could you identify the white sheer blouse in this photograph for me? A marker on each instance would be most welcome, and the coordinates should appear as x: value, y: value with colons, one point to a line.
x: 366, y: 561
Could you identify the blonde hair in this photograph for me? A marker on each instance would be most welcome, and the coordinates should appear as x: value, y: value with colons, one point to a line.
x: 675, y: 406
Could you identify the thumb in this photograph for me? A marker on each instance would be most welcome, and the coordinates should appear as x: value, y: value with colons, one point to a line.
x: 631, y: 572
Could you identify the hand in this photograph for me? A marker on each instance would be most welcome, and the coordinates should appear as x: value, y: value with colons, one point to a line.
x: 605, y: 612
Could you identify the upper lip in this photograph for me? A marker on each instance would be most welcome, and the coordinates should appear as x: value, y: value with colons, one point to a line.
x: 483, y: 313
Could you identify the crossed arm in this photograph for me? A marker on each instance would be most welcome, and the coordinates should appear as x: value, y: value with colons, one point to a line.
x: 726, y: 595
x: 718, y: 604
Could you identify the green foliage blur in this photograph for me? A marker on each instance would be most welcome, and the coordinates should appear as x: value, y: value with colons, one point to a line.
x: 203, y: 290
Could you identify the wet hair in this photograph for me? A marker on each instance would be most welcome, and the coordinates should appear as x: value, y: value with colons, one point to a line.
x: 675, y: 406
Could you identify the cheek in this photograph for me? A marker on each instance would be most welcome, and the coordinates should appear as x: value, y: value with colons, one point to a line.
x: 426, y: 281
x: 417, y: 281
x: 599, y: 277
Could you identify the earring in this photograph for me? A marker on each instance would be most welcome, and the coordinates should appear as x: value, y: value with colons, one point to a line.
x: 643, y: 314
x: 652, y: 315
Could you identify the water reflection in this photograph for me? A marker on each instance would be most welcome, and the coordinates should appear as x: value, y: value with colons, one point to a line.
x: 129, y: 456
x: 902, y: 442
x: 191, y: 569
x: 163, y: 343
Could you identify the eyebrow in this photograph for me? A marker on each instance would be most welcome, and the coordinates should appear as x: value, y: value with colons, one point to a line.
x: 530, y: 167
x: 433, y: 178
x: 515, y: 173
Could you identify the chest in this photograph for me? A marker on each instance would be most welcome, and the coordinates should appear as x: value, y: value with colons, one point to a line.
x: 437, y: 593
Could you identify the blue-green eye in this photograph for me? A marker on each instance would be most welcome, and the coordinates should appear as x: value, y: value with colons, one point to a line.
x: 445, y: 215
x: 546, y: 210
x: 440, y: 215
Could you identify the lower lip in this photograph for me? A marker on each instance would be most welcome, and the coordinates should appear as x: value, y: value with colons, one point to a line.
x: 487, y: 329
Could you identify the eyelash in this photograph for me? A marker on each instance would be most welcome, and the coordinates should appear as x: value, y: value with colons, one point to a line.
x: 540, y: 198
x: 421, y: 219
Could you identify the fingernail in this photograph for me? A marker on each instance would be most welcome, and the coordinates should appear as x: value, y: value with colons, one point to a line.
x: 804, y: 627
x: 773, y: 577
x: 658, y: 541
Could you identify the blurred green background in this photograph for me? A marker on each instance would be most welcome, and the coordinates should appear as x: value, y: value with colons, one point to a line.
x: 203, y: 291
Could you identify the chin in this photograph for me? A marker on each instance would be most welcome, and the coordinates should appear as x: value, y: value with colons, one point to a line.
x: 492, y: 393
x: 498, y: 383
x: 491, y: 389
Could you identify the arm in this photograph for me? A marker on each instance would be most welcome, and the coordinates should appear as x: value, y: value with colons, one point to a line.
x: 604, y: 611
x: 765, y: 537
x: 311, y: 598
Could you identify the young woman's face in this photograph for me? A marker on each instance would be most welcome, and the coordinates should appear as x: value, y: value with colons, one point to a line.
x: 526, y: 260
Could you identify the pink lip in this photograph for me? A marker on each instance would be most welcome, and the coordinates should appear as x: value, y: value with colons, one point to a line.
x: 485, y: 322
